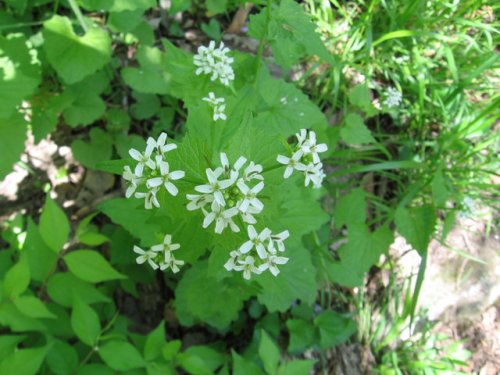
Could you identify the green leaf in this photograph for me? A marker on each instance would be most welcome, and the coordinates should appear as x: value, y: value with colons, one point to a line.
x: 123, y: 5
x: 200, y: 359
x: 32, y: 307
x: 61, y: 288
x: 11, y: 317
x: 170, y: 350
x: 303, y: 335
x: 146, y: 105
x: 121, y: 356
x: 41, y: 259
x: 83, y: 101
x: 17, y: 279
x: 91, y: 266
x: 363, y: 249
x: 65, y: 49
x: 417, y: 225
x: 295, y: 281
x: 23, y: 361
x: 350, y: 209
x: 96, y: 369
x: 54, y: 226
x: 360, y: 97
x: 126, y: 21
x: 19, y: 75
x: 151, y: 77
x: 12, y: 136
x: 98, y: 5
x: 99, y: 148
x: 216, y: 6
x: 62, y: 358
x: 204, y: 298
x: 212, y: 29
x: 334, y: 328
x: 291, y: 34
x: 46, y: 108
x: 296, y: 367
x: 85, y: 322
x: 355, y: 132
x: 439, y: 190
x: 155, y: 342
x: 286, y: 109
x: 242, y: 366
x: 132, y: 216
x: 269, y: 353
x: 19, y: 6
x: 9, y: 343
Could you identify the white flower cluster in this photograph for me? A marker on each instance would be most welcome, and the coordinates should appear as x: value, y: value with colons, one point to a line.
x: 231, y: 191
x: 217, y: 104
x: 214, y: 61
x: 151, y: 172
x: 266, y: 246
x: 160, y: 256
x: 393, y: 97
x: 305, y: 158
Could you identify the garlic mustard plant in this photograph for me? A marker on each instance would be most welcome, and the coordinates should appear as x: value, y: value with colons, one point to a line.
x: 151, y: 172
x: 160, y: 256
x: 258, y: 254
x: 305, y: 158
x: 230, y: 192
x: 214, y: 62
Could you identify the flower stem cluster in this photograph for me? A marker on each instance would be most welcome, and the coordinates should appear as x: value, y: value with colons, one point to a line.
x: 305, y: 158
x: 160, y: 256
x: 218, y: 106
x: 215, y: 62
x: 151, y: 172
x: 259, y: 253
x: 231, y: 191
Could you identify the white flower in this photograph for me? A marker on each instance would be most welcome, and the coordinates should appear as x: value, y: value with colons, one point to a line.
x: 271, y: 263
x: 233, y: 259
x: 132, y: 180
x: 160, y: 145
x: 393, y: 97
x: 215, y: 186
x: 277, y: 239
x: 247, y: 216
x: 219, y: 112
x: 248, y: 267
x: 142, y: 159
x: 213, y: 100
x: 253, y: 171
x: 198, y: 201
x: 222, y: 217
x: 314, y: 173
x: 291, y: 163
x: 166, y: 247
x: 310, y: 147
x: 171, y: 263
x: 301, y: 136
x: 150, y: 198
x: 214, y: 61
x: 256, y: 240
x: 250, y: 196
x: 166, y: 177
x: 144, y: 256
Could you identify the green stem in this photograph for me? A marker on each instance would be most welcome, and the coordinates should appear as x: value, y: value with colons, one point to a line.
x: 263, y: 40
x: 272, y: 168
x: 78, y: 14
